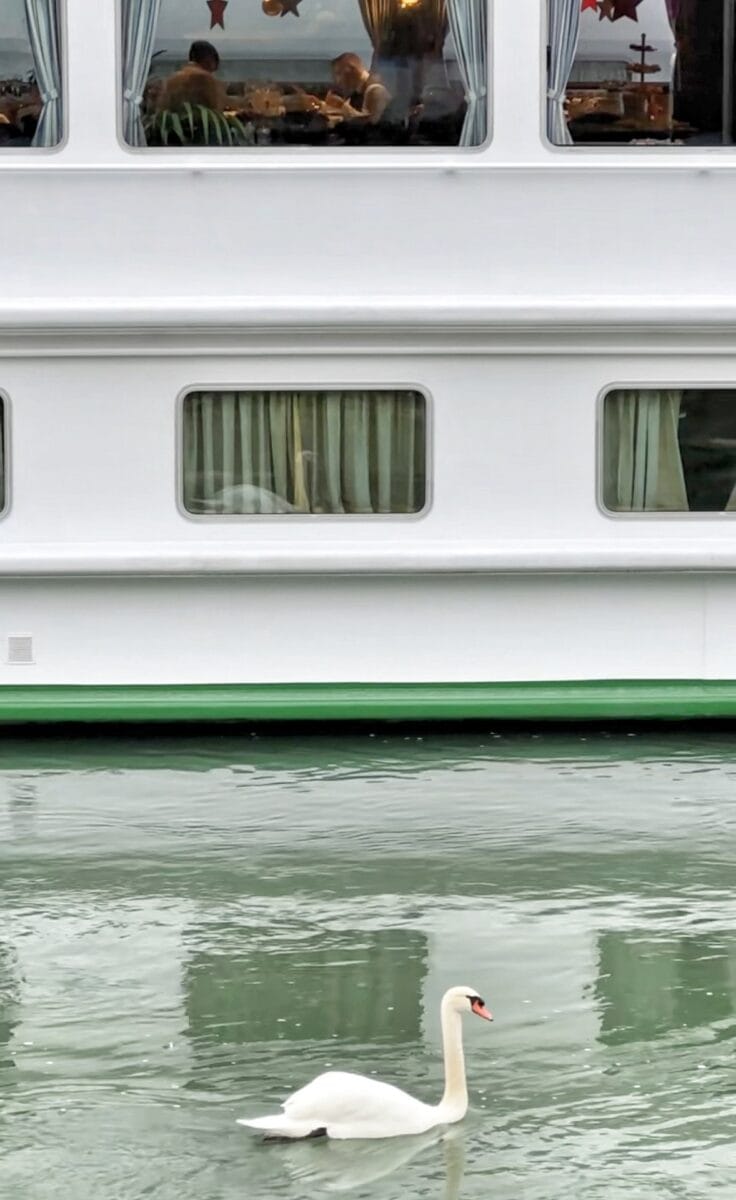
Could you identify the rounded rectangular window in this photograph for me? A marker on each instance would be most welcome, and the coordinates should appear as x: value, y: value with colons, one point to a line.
x: 641, y: 72
x: 321, y: 73
x: 3, y: 458
x: 256, y: 453
x: 31, y: 76
x: 670, y: 450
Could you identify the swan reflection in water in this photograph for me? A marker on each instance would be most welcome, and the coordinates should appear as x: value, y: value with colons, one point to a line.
x: 342, y: 1166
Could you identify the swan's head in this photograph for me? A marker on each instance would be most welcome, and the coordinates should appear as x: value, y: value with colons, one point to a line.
x: 464, y: 1000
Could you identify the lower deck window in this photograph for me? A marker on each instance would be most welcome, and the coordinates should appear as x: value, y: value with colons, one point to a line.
x: 280, y: 452
x: 670, y: 450
x: 3, y: 474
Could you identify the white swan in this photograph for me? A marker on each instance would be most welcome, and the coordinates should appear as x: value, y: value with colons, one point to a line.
x: 341, y: 1105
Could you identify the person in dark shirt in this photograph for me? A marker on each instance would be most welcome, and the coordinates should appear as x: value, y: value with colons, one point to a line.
x: 366, y: 98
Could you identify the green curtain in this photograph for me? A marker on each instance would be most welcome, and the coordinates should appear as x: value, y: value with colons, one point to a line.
x: 304, y: 452
x: 3, y: 495
x: 642, y: 465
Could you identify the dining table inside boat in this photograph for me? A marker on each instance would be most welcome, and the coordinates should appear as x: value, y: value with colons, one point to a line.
x: 290, y: 114
x: 287, y: 114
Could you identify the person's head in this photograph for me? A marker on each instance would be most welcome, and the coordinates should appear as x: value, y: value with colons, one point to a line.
x: 204, y: 55
x: 349, y: 71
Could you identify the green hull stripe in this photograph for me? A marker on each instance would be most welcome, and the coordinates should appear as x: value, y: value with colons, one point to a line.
x: 556, y: 701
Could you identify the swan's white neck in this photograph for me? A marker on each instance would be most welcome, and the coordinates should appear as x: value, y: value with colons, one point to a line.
x: 454, y: 1103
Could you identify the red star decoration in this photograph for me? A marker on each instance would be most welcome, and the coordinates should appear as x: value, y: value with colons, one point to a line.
x: 589, y: 4
x: 625, y: 8
x: 217, y: 12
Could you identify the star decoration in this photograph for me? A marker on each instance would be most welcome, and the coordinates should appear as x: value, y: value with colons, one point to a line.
x: 606, y: 9
x: 217, y: 12
x: 589, y: 4
x: 290, y: 6
x: 625, y: 8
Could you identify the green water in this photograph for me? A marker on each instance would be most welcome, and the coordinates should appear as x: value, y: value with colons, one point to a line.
x: 189, y: 929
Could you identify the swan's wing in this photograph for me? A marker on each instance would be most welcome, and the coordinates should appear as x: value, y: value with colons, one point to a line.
x: 342, y: 1098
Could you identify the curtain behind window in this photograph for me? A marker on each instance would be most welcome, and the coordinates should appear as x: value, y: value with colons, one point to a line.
x: 42, y: 19
x: 563, y: 31
x: 468, y: 23
x: 140, y: 18
x: 304, y: 452
x: 642, y: 466
x: 3, y: 493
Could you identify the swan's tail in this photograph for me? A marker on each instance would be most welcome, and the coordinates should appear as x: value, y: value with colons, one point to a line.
x: 282, y: 1126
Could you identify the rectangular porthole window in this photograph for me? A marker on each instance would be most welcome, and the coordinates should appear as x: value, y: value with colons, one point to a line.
x: 288, y: 452
x: 641, y: 72
x: 31, y: 99
x: 321, y: 73
x: 3, y: 458
x: 670, y: 450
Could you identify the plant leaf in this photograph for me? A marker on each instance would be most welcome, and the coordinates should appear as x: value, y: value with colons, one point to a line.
x: 189, y: 113
x: 178, y: 128
x: 204, y: 116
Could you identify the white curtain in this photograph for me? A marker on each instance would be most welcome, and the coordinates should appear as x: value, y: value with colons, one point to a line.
x: 304, y: 452
x: 563, y: 33
x: 42, y: 19
x: 642, y: 462
x: 140, y: 18
x: 468, y: 24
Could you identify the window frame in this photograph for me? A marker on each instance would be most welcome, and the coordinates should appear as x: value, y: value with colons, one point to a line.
x: 218, y: 519
x: 323, y: 156
x: 35, y: 152
x: 649, y: 385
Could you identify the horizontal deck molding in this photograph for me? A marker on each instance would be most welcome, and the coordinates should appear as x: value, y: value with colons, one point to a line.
x: 185, y: 560
x: 570, y: 700
x: 620, y: 313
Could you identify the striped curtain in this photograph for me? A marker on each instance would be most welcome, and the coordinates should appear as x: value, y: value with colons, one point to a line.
x: 140, y: 19
x: 563, y: 23
x: 642, y: 465
x: 42, y: 19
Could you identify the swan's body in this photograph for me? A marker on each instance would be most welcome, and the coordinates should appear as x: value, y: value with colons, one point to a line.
x: 341, y: 1105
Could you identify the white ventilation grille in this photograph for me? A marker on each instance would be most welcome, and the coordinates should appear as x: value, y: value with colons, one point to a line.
x: 20, y: 649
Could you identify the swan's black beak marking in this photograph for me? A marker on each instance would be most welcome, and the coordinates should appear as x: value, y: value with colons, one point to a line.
x: 479, y: 1008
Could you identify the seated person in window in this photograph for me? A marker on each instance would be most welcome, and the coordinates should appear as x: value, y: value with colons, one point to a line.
x: 363, y: 96
x: 195, y: 82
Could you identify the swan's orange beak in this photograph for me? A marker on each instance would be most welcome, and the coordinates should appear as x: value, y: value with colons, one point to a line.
x: 480, y: 1010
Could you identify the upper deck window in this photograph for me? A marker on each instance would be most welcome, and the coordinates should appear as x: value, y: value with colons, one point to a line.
x: 305, y: 73
x: 30, y: 73
x: 641, y: 72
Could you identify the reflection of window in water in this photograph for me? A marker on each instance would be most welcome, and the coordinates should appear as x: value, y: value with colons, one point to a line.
x: 9, y: 1005
x: 360, y: 986
x: 647, y: 987
x: 670, y: 450
x: 662, y: 77
x: 30, y: 74
x: 422, y: 77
